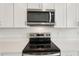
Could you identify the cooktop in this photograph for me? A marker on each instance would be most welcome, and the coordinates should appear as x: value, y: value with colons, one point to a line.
x: 40, y: 44
x: 41, y: 49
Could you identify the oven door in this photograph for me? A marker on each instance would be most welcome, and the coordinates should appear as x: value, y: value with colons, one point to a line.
x: 39, y: 40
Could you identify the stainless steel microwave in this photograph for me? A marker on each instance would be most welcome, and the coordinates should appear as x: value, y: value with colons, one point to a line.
x: 39, y: 17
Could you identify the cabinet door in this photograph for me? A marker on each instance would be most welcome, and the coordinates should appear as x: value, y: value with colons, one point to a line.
x: 60, y: 15
x: 72, y: 14
x: 34, y: 5
x: 6, y: 15
x: 48, y: 5
x: 20, y: 14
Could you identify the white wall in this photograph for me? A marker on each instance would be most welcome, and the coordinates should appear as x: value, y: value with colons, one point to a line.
x: 21, y: 33
x: 12, y: 34
x: 66, y: 39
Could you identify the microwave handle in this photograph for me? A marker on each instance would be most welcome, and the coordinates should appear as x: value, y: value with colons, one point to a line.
x: 49, y: 17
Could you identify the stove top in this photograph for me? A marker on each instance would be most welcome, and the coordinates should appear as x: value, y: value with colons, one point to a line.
x: 41, y: 49
x: 36, y: 46
x: 40, y: 44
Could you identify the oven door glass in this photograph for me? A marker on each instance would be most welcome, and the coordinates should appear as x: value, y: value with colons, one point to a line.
x: 40, y: 41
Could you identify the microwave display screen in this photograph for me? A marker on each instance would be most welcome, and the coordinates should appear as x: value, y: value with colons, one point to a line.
x: 38, y: 17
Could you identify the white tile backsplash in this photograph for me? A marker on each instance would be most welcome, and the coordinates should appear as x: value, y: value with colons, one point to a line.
x: 56, y: 33
x: 12, y: 34
x: 14, y: 40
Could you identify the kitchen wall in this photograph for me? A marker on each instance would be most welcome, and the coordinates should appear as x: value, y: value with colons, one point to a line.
x: 62, y: 37
x: 22, y: 34
x: 67, y: 39
x: 12, y: 34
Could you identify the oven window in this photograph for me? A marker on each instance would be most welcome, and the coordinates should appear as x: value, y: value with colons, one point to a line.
x: 38, y: 17
x: 40, y: 41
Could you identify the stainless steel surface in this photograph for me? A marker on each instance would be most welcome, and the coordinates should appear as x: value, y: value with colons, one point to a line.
x: 40, y: 44
x: 40, y: 24
x: 51, y: 10
x: 39, y: 35
x: 50, y: 17
x: 45, y: 22
x: 44, y: 54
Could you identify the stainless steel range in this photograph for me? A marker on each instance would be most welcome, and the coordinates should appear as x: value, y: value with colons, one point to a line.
x: 41, y: 44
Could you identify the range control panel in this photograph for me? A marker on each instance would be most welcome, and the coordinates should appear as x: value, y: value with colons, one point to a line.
x: 39, y: 34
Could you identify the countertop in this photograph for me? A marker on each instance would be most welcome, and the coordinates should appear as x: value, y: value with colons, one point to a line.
x: 67, y: 45
x: 18, y: 46
x: 12, y: 46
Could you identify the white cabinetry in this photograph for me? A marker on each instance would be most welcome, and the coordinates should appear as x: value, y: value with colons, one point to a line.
x: 60, y: 15
x: 20, y: 14
x: 48, y: 6
x: 15, y: 15
x: 34, y: 5
x: 72, y: 14
x: 6, y: 15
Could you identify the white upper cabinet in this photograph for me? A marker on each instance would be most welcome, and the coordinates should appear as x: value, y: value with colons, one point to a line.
x: 6, y: 15
x: 34, y: 5
x: 60, y: 11
x: 60, y: 15
x: 40, y: 5
x: 15, y: 15
x: 20, y: 14
x: 73, y: 15
x: 48, y: 5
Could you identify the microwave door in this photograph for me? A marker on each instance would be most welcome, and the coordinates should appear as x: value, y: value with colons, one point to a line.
x: 39, y: 17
